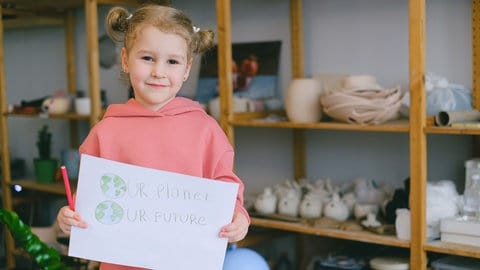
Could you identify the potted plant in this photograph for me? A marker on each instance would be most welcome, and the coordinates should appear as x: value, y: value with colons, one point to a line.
x: 45, y: 165
x: 45, y: 257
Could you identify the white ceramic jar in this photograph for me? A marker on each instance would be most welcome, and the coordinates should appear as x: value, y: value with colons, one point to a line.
x: 402, y: 224
x: 302, y: 100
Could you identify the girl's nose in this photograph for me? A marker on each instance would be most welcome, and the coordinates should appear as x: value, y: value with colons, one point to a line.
x: 158, y: 71
x: 157, y: 75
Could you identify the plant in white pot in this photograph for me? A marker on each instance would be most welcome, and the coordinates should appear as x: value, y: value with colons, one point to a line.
x: 45, y: 165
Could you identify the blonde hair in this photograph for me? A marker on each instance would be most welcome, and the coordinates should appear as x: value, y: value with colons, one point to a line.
x: 124, y: 27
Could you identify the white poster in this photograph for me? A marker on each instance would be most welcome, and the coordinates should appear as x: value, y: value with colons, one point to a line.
x: 150, y: 218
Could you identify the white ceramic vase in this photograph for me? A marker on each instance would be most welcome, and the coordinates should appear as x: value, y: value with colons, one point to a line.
x: 402, y: 224
x: 302, y: 100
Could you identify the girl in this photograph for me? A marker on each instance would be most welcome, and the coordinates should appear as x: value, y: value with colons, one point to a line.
x: 156, y: 129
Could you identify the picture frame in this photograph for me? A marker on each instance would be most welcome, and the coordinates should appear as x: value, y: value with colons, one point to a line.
x: 254, y: 73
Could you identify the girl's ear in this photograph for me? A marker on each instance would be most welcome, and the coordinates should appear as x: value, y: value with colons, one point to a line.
x: 124, y: 58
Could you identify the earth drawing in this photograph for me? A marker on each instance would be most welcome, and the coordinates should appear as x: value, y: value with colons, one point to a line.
x: 109, y: 212
x: 113, y: 186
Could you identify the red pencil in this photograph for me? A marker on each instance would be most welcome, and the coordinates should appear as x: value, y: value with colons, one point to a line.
x: 66, y: 183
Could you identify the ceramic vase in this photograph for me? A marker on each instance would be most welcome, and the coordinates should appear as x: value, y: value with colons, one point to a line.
x: 402, y: 224
x: 302, y: 100
x: 71, y: 160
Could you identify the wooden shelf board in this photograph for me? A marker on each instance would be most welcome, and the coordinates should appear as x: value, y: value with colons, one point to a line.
x: 62, y: 4
x: 53, y: 188
x: 72, y: 116
x: 453, y: 249
x: 32, y: 22
x: 363, y: 236
x: 400, y: 125
x: 452, y: 130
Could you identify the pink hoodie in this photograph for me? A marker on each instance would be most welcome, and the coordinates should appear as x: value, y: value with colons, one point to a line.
x: 180, y: 137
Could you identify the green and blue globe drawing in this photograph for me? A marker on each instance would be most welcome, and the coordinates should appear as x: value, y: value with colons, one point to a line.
x: 108, y: 212
x: 113, y: 186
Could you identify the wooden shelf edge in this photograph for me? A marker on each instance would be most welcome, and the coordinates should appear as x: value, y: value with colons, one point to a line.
x: 128, y: 2
x: 32, y: 22
x: 52, y: 188
x: 362, y: 236
x: 401, y: 125
x: 452, y: 130
x: 72, y: 116
x: 453, y: 249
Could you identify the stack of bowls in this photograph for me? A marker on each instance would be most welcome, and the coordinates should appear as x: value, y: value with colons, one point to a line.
x: 362, y: 101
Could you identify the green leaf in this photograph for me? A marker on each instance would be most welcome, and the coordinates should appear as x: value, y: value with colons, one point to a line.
x: 45, y: 256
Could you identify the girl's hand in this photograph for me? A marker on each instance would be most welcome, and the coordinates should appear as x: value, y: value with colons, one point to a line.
x: 237, y: 230
x: 67, y: 218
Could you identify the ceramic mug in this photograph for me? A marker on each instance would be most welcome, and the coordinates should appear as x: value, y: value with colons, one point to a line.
x: 239, y: 105
x: 82, y: 105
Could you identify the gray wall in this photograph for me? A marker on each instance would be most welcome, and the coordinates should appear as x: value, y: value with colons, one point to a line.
x: 346, y: 36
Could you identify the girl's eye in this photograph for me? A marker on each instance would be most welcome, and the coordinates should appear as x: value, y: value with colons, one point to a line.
x: 173, y: 61
x: 147, y: 58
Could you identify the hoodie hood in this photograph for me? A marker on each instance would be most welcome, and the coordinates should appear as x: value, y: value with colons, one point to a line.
x: 132, y: 108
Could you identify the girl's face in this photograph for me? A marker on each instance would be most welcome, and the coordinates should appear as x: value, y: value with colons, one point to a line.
x: 157, y: 65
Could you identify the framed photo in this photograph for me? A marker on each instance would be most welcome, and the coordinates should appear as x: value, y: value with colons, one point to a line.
x: 254, y: 73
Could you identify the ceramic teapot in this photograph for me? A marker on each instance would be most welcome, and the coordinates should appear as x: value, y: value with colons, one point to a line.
x: 311, y: 206
x: 368, y: 191
x: 336, y: 209
x: 266, y: 202
x: 288, y: 204
x: 361, y: 210
x: 349, y: 199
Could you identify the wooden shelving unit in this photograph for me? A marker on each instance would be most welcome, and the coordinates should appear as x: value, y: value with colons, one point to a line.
x: 417, y: 128
x: 32, y: 14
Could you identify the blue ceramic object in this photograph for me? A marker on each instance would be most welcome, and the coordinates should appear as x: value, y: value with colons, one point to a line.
x: 244, y: 259
x: 71, y: 160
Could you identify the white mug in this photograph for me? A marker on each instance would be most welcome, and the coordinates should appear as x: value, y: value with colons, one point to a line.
x: 239, y: 105
x: 82, y: 105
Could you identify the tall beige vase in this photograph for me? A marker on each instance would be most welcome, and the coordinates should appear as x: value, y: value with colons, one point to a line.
x: 302, y: 100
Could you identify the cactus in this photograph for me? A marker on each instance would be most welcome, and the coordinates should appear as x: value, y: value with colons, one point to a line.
x: 44, y: 143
